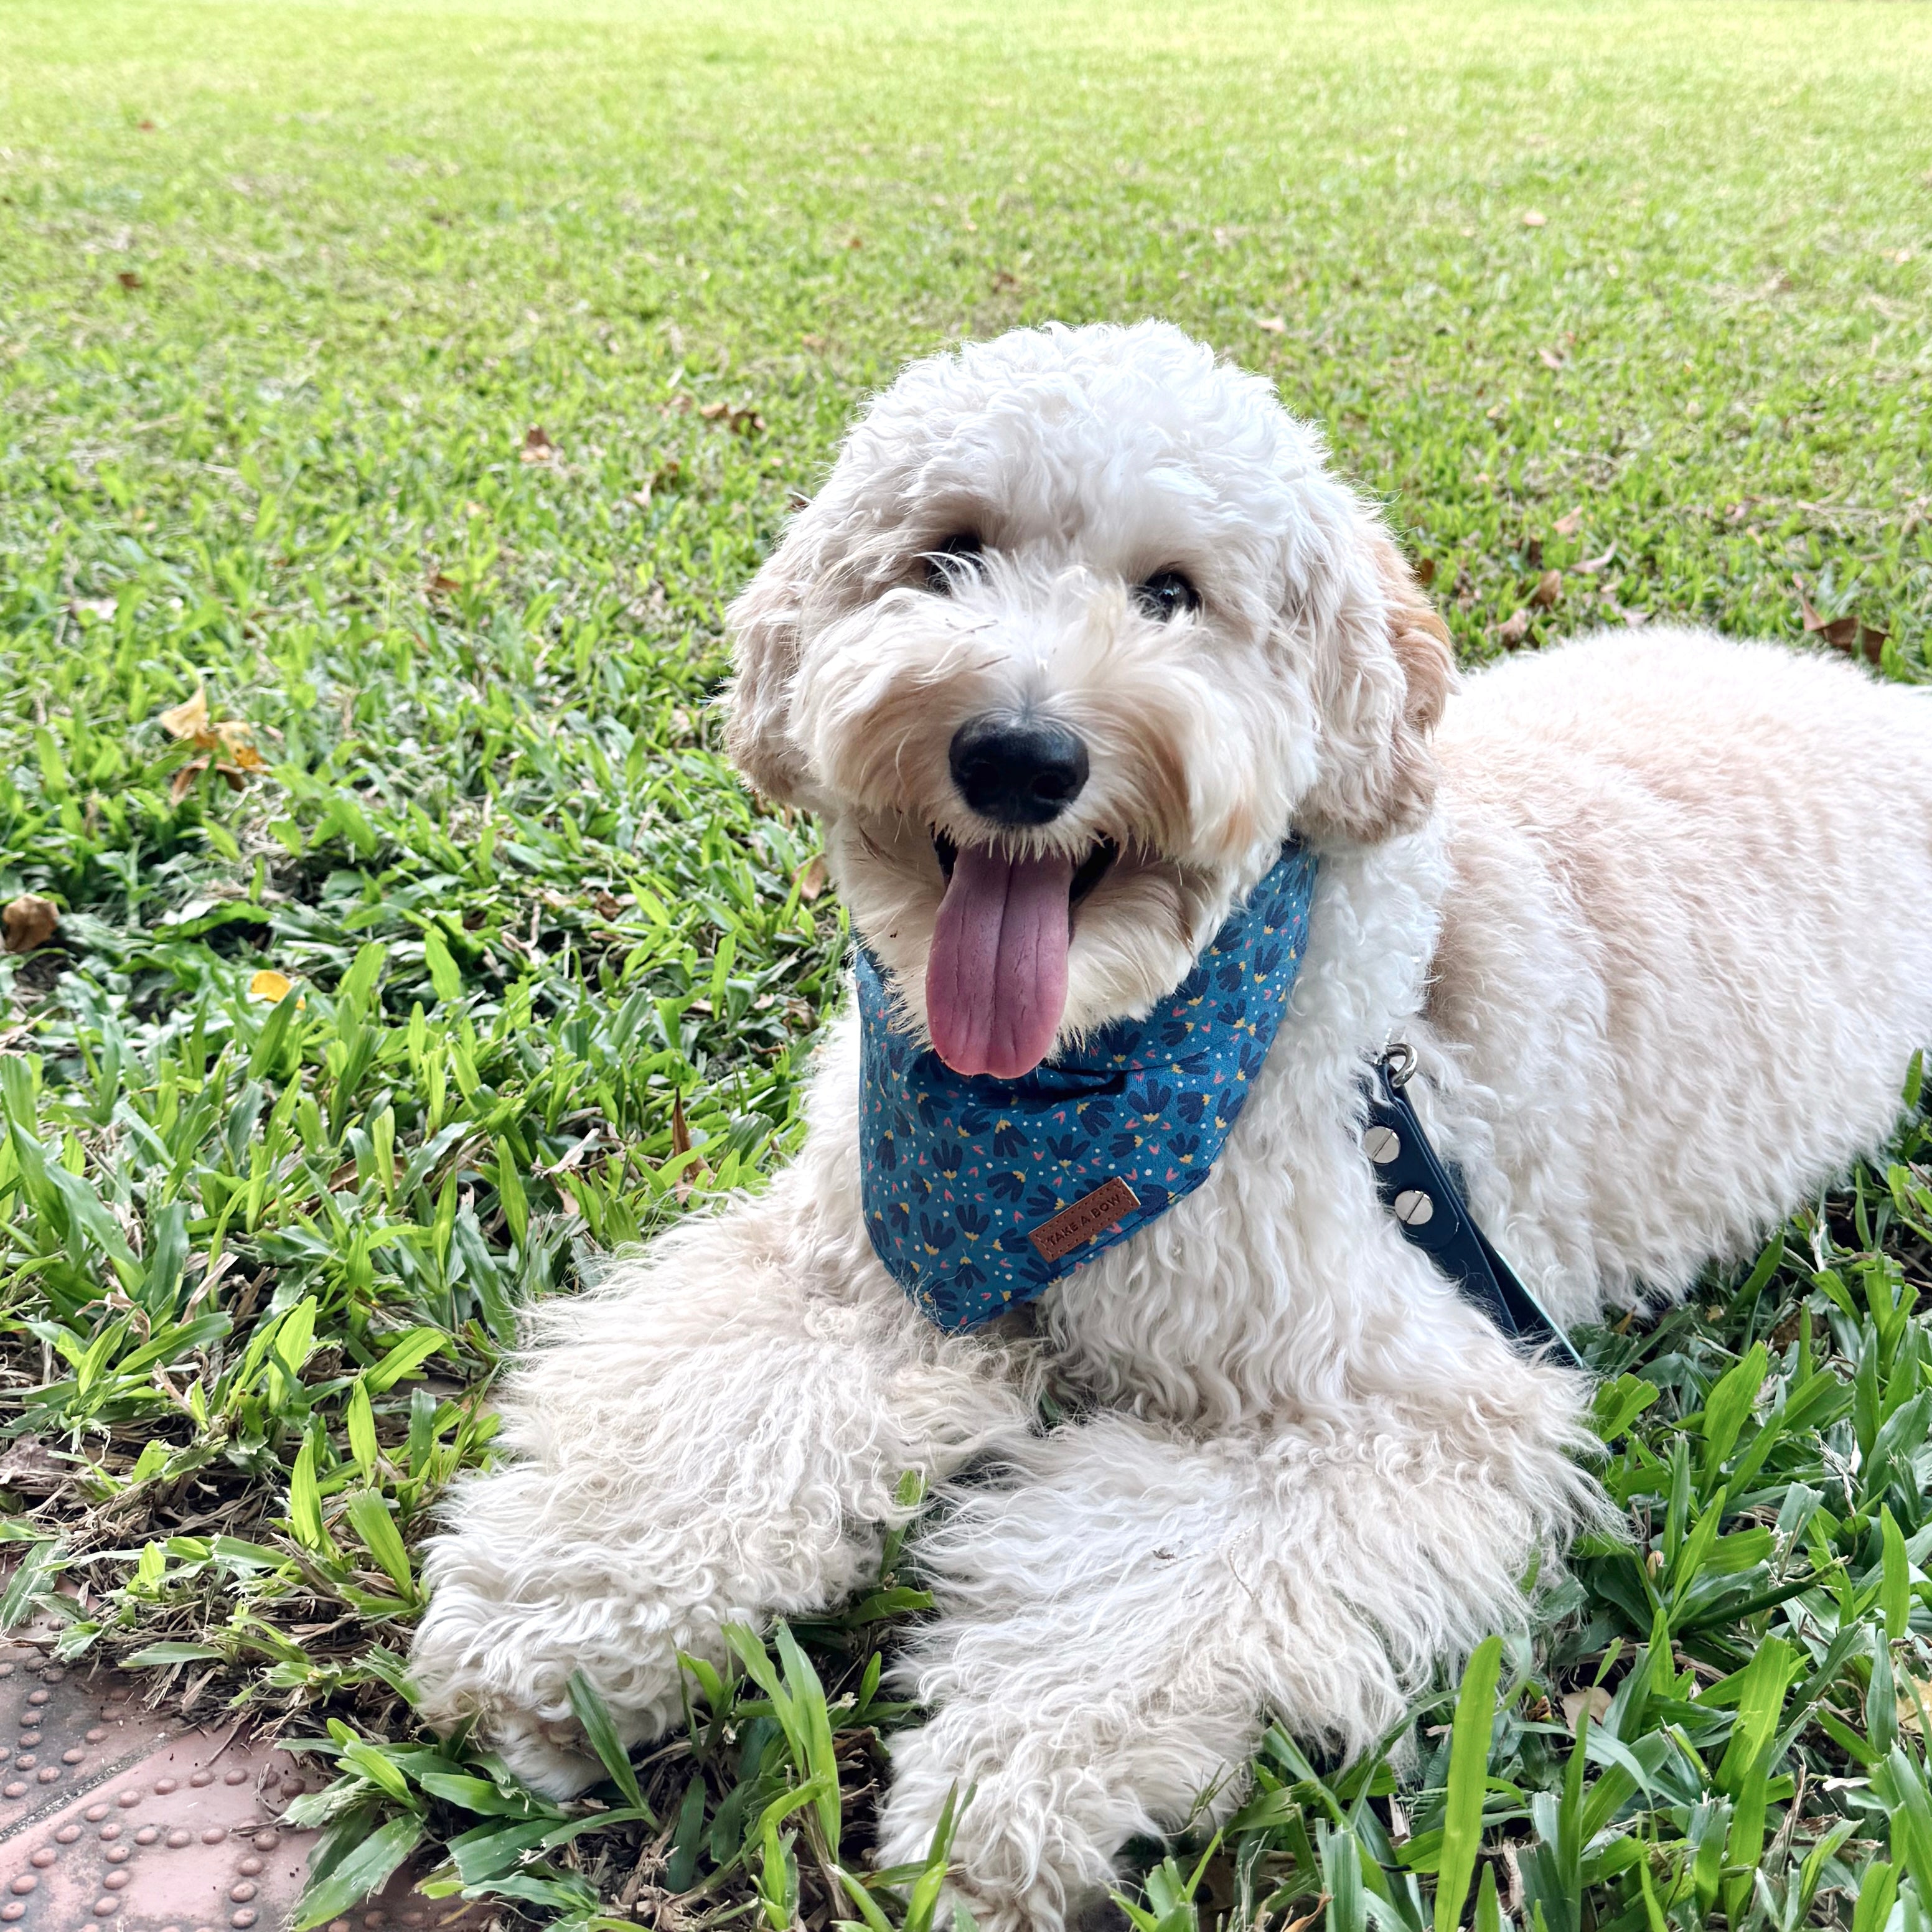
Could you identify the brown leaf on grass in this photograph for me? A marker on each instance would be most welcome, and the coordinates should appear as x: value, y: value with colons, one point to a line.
x: 1004, y: 279
x: 129, y: 278
x: 1549, y: 359
x: 1549, y: 588
x: 182, y: 783
x: 28, y: 921
x: 1569, y: 525
x: 145, y: 127
x: 1275, y: 325
x: 537, y: 446
x: 1591, y: 565
x: 1533, y: 217
x: 30, y: 1469
x: 813, y: 342
x: 812, y: 879
x: 189, y: 718
x: 234, y: 776
x: 1845, y: 633
x: 1915, y: 1699
x: 606, y: 904
x: 855, y: 241
x: 1597, y: 1699
x: 680, y: 1145
x: 734, y: 416
x: 1511, y: 631
x: 440, y: 586
x: 236, y: 738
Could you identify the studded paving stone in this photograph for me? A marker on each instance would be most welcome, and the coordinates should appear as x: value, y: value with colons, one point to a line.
x: 113, y: 1819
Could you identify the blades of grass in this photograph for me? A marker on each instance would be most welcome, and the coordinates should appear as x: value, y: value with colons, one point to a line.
x: 681, y: 1868
x: 1469, y: 1771
x: 1878, y: 1889
x: 1489, y: 1917
x: 1902, y: 1784
x: 594, y: 1715
x: 925, y: 1889
x: 1760, y: 1701
x: 1726, y: 1410
x: 814, y: 1727
x: 875, y: 1920
x: 1895, y: 1594
x: 365, y: 1870
x: 370, y: 1517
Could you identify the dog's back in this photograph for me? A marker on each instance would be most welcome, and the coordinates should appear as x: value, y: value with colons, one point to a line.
x: 1688, y: 954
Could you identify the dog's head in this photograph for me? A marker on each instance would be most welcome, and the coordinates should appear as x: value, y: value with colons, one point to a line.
x: 1079, y: 630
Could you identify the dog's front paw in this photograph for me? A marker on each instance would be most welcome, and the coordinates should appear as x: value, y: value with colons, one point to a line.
x: 1033, y: 1846
x: 552, y: 1758
x: 507, y: 1665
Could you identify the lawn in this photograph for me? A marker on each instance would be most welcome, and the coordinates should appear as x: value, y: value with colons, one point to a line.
x: 392, y: 396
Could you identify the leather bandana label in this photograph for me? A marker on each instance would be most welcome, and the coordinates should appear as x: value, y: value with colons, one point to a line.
x: 1084, y: 1220
x: 980, y: 1194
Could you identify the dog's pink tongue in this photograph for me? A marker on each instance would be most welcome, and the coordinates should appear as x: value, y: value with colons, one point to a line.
x: 996, y: 982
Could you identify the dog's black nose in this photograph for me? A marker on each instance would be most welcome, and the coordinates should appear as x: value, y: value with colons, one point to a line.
x: 1018, y: 771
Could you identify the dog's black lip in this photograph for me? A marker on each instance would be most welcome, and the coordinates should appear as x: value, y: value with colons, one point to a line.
x: 1087, y: 874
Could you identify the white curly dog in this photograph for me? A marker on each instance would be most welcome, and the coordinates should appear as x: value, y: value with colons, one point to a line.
x: 1653, y: 910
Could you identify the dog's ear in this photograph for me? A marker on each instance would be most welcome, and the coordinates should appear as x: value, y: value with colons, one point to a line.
x: 764, y: 623
x: 1394, y: 674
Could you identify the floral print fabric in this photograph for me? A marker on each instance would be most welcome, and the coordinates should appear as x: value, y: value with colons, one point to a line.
x: 959, y: 1171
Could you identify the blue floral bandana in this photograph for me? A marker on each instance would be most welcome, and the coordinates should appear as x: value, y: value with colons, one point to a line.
x: 980, y: 1193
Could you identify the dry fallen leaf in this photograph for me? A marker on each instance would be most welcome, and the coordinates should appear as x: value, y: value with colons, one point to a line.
x: 128, y: 279
x: 189, y: 718
x: 269, y: 985
x: 440, y: 586
x: 28, y: 921
x: 1568, y: 526
x: 537, y: 446
x: 1597, y: 1698
x: 813, y: 342
x: 1513, y: 630
x: 1549, y: 588
x: 1274, y: 324
x: 1532, y: 218
x: 680, y: 1145
x: 30, y: 1468
x: 1845, y: 633
x: 1591, y: 565
x: 732, y: 415
x: 855, y: 241
x: 812, y: 879
x: 1549, y: 359
x: 1911, y: 1716
x: 182, y: 783
x: 1003, y: 279
x: 606, y: 904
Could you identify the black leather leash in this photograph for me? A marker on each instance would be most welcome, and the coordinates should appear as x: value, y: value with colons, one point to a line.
x: 1417, y: 1187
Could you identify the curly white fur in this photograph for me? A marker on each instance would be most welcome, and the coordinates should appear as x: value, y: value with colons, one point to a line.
x: 1655, y: 913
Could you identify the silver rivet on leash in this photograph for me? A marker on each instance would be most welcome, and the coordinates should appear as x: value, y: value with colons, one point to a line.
x: 1381, y: 1145
x: 1414, y: 1208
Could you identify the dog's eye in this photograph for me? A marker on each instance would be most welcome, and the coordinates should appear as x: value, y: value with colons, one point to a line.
x: 947, y: 562
x: 1166, y: 594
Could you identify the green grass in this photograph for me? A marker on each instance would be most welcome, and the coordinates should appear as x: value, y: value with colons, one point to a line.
x: 285, y: 292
